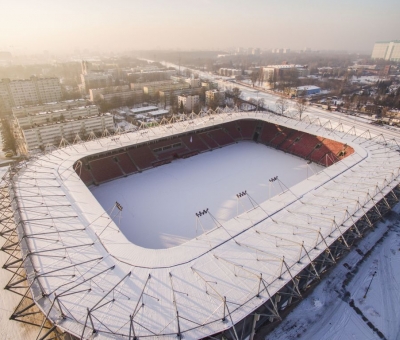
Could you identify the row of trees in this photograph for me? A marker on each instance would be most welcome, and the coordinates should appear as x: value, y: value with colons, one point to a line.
x: 282, y: 105
x: 7, y: 134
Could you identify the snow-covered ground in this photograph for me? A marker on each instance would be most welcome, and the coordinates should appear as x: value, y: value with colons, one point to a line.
x: 176, y: 191
x: 365, y: 79
x: 327, y: 312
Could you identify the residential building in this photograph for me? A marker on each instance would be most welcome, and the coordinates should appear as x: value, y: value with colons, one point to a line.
x: 153, y: 89
x: 215, y: 96
x: 388, y: 50
x: 95, y: 93
x: 193, y: 82
x: 121, y: 93
x: 48, y: 117
x: 95, y: 80
x: 229, y: 72
x: 151, y: 73
x: 154, y: 84
x: 25, y: 111
x: 166, y: 95
x: 28, y: 92
x: 205, y: 85
x: 276, y: 71
x: 43, y: 128
x: 189, y: 102
x: 51, y: 134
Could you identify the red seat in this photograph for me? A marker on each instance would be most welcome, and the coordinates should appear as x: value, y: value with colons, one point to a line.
x: 105, y: 169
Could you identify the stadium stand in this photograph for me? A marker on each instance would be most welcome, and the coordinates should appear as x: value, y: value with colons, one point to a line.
x: 233, y: 130
x: 85, y: 175
x: 333, y: 146
x: 304, y: 146
x: 194, y: 143
x: 280, y: 136
x: 247, y: 128
x: 172, y: 153
x: 268, y: 133
x: 317, y: 149
x: 290, y: 139
x: 208, y: 140
x: 143, y: 157
x: 126, y: 164
x: 105, y: 169
x: 221, y: 137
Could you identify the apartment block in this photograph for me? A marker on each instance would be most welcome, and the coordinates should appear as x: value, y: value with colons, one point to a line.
x: 25, y: 111
x: 52, y: 133
x: 215, y: 96
x: 188, y: 102
x: 122, y: 93
x: 28, y: 92
x: 387, y: 50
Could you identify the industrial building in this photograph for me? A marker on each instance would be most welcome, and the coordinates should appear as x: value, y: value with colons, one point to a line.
x: 305, y: 90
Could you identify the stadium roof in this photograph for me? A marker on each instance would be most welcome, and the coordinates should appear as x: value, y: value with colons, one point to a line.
x: 86, y: 276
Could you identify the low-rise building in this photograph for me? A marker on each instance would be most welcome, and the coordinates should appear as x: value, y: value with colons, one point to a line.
x: 229, y: 72
x: 142, y: 110
x: 153, y: 89
x: 189, y: 102
x: 215, y: 96
x: 121, y: 93
x: 305, y: 90
x: 193, y: 82
x: 165, y: 96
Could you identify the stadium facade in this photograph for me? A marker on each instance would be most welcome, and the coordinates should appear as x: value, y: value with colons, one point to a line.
x: 91, y: 282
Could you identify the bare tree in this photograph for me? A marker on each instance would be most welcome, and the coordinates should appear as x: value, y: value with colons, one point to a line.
x: 281, y: 105
x: 260, y: 103
x: 236, y: 94
x: 272, y: 80
x: 300, y: 106
x: 253, y: 77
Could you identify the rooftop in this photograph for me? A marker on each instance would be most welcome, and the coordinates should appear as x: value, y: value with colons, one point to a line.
x: 189, y: 288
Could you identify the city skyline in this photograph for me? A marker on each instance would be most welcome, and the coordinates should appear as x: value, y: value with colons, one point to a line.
x: 134, y: 25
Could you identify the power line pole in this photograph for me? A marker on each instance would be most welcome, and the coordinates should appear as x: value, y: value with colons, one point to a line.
x: 365, y: 295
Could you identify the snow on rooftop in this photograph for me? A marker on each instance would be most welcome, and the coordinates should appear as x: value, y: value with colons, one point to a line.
x: 158, y: 112
x: 308, y: 87
x: 189, y: 280
x: 143, y: 109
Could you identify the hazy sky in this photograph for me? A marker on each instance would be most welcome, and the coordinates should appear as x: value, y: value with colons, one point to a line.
x: 64, y: 25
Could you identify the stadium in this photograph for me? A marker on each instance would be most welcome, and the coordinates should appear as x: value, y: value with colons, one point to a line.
x: 90, y: 281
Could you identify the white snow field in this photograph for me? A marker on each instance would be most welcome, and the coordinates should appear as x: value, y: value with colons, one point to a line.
x: 173, y: 193
x: 327, y: 309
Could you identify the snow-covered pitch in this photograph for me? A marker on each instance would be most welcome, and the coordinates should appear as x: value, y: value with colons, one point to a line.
x: 88, y: 278
x: 159, y: 204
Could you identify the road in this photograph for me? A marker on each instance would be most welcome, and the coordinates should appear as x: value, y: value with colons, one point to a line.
x: 226, y: 83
